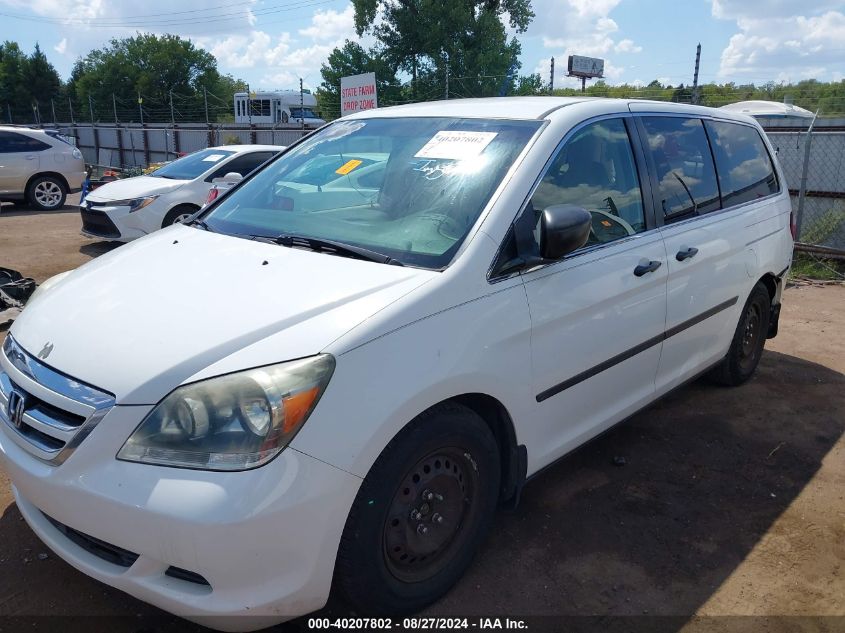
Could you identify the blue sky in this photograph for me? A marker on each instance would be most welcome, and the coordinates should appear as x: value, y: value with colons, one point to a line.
x: 271, y: 43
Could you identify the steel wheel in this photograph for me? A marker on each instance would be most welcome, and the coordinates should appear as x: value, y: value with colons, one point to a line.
x: 752, y: 332
x: 427, y: 514
x: 48, y: 194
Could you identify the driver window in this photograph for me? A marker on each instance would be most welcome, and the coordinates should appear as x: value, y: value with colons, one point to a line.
x: 596, y: 170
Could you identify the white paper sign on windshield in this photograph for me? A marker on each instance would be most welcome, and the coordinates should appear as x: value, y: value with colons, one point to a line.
x: 456, y: 145
x: 213, y: 158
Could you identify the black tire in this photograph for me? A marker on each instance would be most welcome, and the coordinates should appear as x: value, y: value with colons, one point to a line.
x: 748, y: 341
x: 177, y: 212
x: 444, y: 464
x: 46, y: 193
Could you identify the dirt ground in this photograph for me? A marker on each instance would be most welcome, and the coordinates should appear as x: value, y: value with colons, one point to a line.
x: 730, y: 504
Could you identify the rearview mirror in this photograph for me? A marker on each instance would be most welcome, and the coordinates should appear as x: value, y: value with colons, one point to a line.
x: 563, y: 229
x: 232, y: 176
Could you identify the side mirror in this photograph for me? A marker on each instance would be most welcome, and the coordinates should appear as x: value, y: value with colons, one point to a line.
x: 563, y: 229
x: 232, y: 176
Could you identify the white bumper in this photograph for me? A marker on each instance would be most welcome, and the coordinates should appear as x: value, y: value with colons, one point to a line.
x: 265, y: 539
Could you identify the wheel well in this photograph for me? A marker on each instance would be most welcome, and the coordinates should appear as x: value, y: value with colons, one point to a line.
x: 513, y: 456
x: 771, y: 283
x: 53, y: 174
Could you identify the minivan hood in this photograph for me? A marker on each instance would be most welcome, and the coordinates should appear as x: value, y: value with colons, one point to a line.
x: 134, y: 188
x: 142, y: 319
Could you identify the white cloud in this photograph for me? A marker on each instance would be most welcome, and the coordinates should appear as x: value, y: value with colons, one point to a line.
x: 331, y: 25
x: 579, y: 27
x: 61, y: 47
x: 778, y: 45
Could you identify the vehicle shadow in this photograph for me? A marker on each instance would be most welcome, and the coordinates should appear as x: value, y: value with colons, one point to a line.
x: 95, y: 249
x: 595, y: 545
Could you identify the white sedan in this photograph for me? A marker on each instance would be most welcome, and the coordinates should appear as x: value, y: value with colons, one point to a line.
x: 127, y: 209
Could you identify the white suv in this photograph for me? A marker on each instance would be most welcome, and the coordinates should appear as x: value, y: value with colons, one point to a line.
x: 38, y: 167
x: 342, y: 367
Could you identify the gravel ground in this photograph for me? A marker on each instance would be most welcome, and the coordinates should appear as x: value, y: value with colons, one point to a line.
x: 731, y: 502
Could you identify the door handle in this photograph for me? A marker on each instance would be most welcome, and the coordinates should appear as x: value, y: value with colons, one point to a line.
x: 686, y: 253
x: 647, y: 267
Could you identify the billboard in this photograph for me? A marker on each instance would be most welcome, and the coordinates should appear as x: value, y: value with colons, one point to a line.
x: 358, y: 92
x: 585, y: 66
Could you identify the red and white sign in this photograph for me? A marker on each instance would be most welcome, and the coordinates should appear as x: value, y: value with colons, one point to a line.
x: 358, y: 92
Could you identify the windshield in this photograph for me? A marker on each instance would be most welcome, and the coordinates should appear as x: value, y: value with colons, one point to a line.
x: 192, y: 165
x: 303, y: 113
x: 408, y: 188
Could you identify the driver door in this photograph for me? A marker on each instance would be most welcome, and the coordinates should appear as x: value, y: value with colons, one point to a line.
x: 598, y: 315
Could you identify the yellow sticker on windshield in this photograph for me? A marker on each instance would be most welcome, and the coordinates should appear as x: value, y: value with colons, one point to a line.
x: 348, y: 166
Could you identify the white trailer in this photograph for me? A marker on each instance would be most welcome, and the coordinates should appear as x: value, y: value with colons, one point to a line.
x: 277, y: 107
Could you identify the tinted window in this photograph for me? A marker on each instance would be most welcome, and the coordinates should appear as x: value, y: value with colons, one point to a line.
x: 744, y: 165
x: 685, y: 173
x: 11, y: 142
x: 595, y: 170
x: 241, y: 164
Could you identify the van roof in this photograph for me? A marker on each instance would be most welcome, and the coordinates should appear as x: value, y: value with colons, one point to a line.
x: 536, y: 108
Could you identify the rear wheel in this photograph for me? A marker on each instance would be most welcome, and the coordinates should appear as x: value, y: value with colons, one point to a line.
x: 46, y: 193
x: 749, y: 338
x: 421, y: 513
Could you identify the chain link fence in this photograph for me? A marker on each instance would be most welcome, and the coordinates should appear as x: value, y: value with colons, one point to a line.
x: 813, y: 161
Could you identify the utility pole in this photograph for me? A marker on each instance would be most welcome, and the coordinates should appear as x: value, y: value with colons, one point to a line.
x: 114, y: 106
x: 70, y: 105
x: 53, y: 108
x: 141, y: 108
x: 301, y: 105
x: 552, y: 76
x: 91, y: 109
x: 695, y: 98
x: 205, y: 97
x: 172, y: 118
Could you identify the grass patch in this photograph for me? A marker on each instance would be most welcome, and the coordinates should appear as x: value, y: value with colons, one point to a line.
x: 807, y: 266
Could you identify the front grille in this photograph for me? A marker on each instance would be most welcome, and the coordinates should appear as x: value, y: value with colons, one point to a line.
x: 44, y: 411
x: 98, y: 223
x: 106, y: 551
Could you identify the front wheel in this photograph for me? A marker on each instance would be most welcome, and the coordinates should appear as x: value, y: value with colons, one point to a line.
x: 178, y: 215
x: 749, y: 338
x: 421, y: 513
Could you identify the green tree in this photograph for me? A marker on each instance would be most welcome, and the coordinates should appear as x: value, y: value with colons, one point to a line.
x: 14, y: 96
x: 156, y: 66
x: 464, y: 39
x: 353, y: 59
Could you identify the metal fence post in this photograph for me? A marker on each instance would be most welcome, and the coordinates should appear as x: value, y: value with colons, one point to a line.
x: 802, y: 191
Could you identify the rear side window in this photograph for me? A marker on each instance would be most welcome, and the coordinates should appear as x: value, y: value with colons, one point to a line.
x: 686, y: 178
x: 743, y: 162
x: 12, y: 142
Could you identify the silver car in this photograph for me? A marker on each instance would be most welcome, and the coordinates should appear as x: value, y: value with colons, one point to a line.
x: 38, y: 167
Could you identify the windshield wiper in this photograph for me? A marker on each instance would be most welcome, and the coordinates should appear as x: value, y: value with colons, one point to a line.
x: 329, y: 246
x: 202, y: 224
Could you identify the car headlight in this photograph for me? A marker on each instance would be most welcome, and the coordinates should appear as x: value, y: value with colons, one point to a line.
x: 232, y: 422
x: 134, y: 204
x: 76, y: 154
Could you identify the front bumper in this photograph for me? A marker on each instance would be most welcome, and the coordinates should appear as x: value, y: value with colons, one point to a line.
x: 265, y: 540
x: 108, y: 222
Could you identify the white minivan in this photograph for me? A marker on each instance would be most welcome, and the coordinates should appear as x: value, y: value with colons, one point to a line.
x: 341, y: 368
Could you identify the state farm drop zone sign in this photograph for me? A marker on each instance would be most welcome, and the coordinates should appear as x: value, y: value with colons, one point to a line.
x: 358, y: 92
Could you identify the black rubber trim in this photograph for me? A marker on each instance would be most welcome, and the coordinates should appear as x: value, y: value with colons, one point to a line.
x: 782, y: 273
x: 597, y: 369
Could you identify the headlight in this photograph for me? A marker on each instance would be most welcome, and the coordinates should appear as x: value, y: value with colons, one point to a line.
x: 134, y: 204
x: 231, y: 422
x: 76, y: 153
